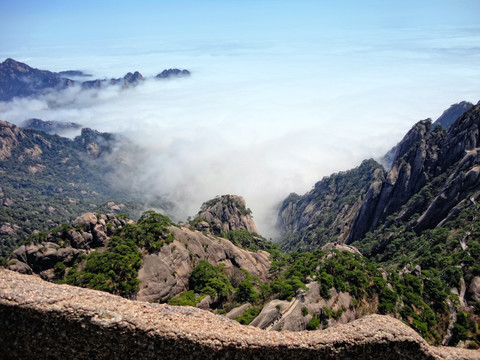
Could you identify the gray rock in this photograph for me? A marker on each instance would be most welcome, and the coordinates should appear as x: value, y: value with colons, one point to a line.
x: 474, y: 289
x: 111, y: 327
x: 238, y: 311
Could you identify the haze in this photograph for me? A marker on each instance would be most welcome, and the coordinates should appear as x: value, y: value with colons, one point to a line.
x: 281, y: 94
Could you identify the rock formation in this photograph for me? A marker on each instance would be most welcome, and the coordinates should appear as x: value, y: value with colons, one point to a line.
x: 328, y: 211
x: 448, y: 162
x: 40, y: 319
x: 227, y: 213
x: 450, y: 115
x: 172, y: 73
x: 163, y: 273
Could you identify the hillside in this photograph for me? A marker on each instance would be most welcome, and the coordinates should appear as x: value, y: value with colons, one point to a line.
x: 327, y: 212
x: 47, y: 180
x: 421, y: 218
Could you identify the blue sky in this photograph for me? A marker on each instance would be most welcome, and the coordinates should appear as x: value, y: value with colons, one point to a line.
x: 289, y: 91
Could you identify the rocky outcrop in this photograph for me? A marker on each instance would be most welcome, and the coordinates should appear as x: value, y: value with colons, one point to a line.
x: 166, y: 273
x: 226, y: 213
x: 64, y: 245
x: 10, y: 136
x: 294, y: 315
x: 51, y: 127
x: 20, y: 80
x: 173, y: 73
x: 84, y: 324
x: 163, y: 273
x: 445, y: 120
x: 328, y: 212
x: 440, y: 168
x: 450, y: 115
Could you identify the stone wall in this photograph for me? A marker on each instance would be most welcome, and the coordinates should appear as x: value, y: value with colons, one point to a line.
x: 46, y: 321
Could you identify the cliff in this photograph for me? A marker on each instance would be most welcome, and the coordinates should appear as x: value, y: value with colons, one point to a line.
x: 43, y: 320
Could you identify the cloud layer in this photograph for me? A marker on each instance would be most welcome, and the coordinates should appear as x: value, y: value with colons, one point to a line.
x: 262, y: 119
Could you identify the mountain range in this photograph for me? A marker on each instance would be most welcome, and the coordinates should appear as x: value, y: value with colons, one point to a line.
x: 20, y: 80
x: 397, y: 237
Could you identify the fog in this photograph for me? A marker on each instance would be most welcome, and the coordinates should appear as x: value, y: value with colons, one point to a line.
x: 259, y: 120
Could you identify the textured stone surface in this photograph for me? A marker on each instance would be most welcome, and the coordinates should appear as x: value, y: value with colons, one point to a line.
x: 42, y: 320
x: 228, y: 212
x: 165, y: 274
x: 421, y: 157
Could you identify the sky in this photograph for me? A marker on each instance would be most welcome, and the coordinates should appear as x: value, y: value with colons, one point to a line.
x: 282, y: 93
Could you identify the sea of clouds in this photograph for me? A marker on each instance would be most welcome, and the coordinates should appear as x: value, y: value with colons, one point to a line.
x: 262, y: 119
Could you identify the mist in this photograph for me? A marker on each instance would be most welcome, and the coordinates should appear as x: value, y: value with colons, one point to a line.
x: 256, y: 119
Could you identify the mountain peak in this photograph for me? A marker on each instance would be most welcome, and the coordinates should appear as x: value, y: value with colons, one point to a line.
x: 226, y: 213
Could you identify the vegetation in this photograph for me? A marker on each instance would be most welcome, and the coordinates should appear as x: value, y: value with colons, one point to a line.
x: 330, y: 196
x: 248, y: 316
x: 49, y: 180
x: 115, y: 269
x: 249, y: 241
x: 186, y: 298
x: 209, y: 280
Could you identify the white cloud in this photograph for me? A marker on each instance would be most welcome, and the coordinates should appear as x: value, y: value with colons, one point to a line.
x: 259, y: 120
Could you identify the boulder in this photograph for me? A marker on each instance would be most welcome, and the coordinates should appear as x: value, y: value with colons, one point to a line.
x: 474, y: 289
x: 238, y: 311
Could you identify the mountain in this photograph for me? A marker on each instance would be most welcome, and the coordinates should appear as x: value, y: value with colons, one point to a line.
x: 445, y: 120
x: 439, y: 168
x: 172, y: 73
x: 450, y: 115
x: 85, y: 251
x: 327, y: 212
x: 420, y: 218
x: 20, y: 80
x: 47, y: 179
x: 51, y: 127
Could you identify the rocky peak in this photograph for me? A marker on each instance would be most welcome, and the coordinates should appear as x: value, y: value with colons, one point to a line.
x: 464, y: 135
x: 50, y: 127
x: 19, y: 79
x: 171, y: 73
x: 226, y: 213
x: 10, y: 136
x: 94, y: 142
x: 449, y: 116
x: 422, y: 156
x: 132, y: 79
x: 332, y: 205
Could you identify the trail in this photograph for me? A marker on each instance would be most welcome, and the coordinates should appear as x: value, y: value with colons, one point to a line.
x: 453, y: 320
x: 290, y: 308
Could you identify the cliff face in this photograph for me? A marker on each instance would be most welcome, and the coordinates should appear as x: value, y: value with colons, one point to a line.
x: 327, y: 212
x: 440, y: 168
x: 84, y: 324
x: 166, y: 273
x: 227, y: 213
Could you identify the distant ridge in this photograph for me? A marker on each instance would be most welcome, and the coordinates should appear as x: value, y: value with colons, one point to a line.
x: 20, y: 80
